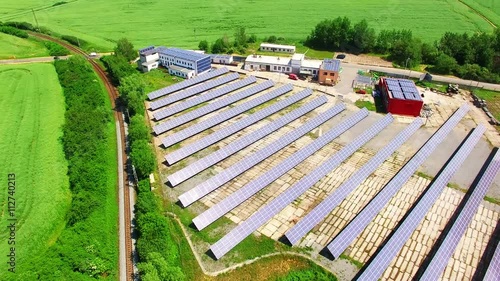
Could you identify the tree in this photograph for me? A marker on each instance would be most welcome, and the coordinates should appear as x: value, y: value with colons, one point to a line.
x: 132, y: 93
x: 444, y: 64
x: 143, y: 158
x: 457, y: 46
x: 137, y: 129
x: 483, y: 49
x: 252, y: 38
x: 203, y: 45
x: 406, y: 52
x: 240, y: 37
x: 363, y: 37
x: 429, y: 53
x: 271, y: 39
x: 218, y: 47
x: 126, y: 49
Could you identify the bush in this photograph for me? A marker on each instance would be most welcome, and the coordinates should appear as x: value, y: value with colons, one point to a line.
x: 137, y: 129
x: 143, y: 158
x: 203, y: 45
x: 13, y: 31
x: 125, y: 49
x: 56, y: 49
x: 20, y: 25
x: 73, y: 40
x: 118, y: 67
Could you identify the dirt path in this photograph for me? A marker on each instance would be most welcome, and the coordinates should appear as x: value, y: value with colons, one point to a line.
x: 478, y: 13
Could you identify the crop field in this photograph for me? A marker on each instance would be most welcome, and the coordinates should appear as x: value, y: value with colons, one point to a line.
x: 15, y: 47
x: 488, y: 8
x: 32, y: 106
x: 185, y: 23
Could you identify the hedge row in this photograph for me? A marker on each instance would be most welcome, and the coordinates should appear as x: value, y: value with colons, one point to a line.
x: 56, y: 49
x: 13, y: 31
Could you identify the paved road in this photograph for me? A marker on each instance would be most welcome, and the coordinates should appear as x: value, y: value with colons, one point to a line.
x: 31, y: 60
x: 416, y: 74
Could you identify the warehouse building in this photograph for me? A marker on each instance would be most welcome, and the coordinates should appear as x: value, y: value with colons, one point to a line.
x: 185, y: 61
x: 400, y: 96
x: 221, y: 59
x: 329, y: 72
x: 310, y: 67
x: 266, y: 47
x: 268, y: 63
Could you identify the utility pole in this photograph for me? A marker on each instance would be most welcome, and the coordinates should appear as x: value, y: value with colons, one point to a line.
x: 37, y: 26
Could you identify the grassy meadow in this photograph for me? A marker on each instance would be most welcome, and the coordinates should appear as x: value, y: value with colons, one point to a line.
x: 185, y: 23
x: 32, y: 106
x: 489, y: 8
x: 12, y: 47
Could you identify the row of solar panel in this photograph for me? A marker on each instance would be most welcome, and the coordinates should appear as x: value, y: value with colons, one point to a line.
x: 224, y: 115
x: 172, y: 110
x: 193, y: 91
x: 183, y: 119
x: 187, y: 83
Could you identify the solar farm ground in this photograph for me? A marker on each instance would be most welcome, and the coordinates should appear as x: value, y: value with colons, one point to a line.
x: 102, y: 22
x: 12, y: 47
x: 32, y: 106
x: 467, y: 254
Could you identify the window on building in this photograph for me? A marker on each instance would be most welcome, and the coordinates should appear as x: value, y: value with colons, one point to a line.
x: 325, y: 73
x: 275, y: 67
x: 314, y: 71
x: 288, y: 69
x: 332, y: 74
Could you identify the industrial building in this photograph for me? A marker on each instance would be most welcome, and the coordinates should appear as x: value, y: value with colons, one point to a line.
x: 310, y: 67
x: 400, y: 96
x: 221, y: 59
x: 266, y: 47
x: 148, y: 59
x: 268, y: 63
x: 329, y: 72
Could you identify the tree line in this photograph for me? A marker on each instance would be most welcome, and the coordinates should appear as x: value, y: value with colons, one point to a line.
x: 466, y: 56
x: 158, y: 255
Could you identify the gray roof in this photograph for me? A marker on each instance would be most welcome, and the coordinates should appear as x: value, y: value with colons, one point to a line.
x: 182, y: 54
x: 221, y: 56
x: 403, y: 89
x: 331, y: 64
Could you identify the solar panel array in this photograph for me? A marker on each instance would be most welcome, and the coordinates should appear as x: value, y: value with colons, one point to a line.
x: 248, y: 162
x: 331, y: 64
x: 233, y: 147
x: 439, y: 261
x: 171, y: 110
x: 379, y: 264
x: 235, y: 127
x: 187, y: 83
x: 403, y: 89
x: 183, y: 54
x: 355, y: 227
x: 334, y: 199
x: 193, y: 91
x: 493, y: 272
x: 238, y: 197
x: 225, y: 115
x: 183, y: 119
x: 240, y: 232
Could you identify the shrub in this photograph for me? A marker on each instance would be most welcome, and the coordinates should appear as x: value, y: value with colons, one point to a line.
x: 73, y: 40
x: 13, y: 31
x: 56, y: 49
x: 143, y: 158
x: 20, y: 25
x: 137, y: 129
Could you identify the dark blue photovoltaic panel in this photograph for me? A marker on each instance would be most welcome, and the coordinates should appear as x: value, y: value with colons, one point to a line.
x: 398, y: 94
x: 356, y: 226
x: 403, y: 89
x: 377, y: 266
x: 239, y: 196
x: 251, y: 160
x: 211, y: 107
x: 493, y: 272
x: 264, y: 214
x: 183, y: 54
x: 193, y: 91
x: 187, y: 83
x: 174, y: 109
x: 446, y: 249
x: 223, y: 133
x: 333, y: 200
x: 224, y: 115
x: 237, y: 145
x: 331, y: 64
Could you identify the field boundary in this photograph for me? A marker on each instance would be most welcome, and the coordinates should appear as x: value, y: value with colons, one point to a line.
x: 478, y: 13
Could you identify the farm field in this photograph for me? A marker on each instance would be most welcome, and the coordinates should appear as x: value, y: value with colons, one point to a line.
x: 15, y: 47
x: 103, y: 22
x: 32, y: 106
x: 489, y: 8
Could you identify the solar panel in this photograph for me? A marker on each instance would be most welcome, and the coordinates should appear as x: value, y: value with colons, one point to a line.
x: 238, y: 197
x: 224, y: 115
x: 253, y: 159
x: 183, y: 54
x: 439, y: 261
x: 240, y: 232
x: 187, y: 83
x: 211, y: 107
x: 242, y: 142
x: 397, y: 94
x: 171, y: 110
x: 233, y: 128
x: 333, y: 200
x: 355, y: 227
x: 193, y: 91
x: 493, y: 272
x: 393, y: 245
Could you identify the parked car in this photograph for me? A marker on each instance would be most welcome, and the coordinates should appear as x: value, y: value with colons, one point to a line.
x: 361, y: 91
x: 293, y: 76
x: 340, y: 56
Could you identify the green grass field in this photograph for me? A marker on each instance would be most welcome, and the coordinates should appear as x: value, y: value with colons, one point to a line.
x: 488, y: 8
x: 14, y: 47
x: 185, y: 23
x: 32, y: 106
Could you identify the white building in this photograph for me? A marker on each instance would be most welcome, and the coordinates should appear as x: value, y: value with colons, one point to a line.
x: 148, y: 59
x: 184, y: 59
x: 310, y: 67
x: 266, y: 47
x: 181, y: 71
x: 296, y: 62
x: 268, y: 63
x: 221, y: 59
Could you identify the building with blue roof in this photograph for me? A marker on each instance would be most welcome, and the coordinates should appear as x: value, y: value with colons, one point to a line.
x: 400, y: 96
x: 329, y: 72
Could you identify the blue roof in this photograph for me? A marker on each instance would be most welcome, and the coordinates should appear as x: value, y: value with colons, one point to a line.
x: 182, y: 54
x: 143, y: 50
x: 331, y: 65
x: 403, y: 89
